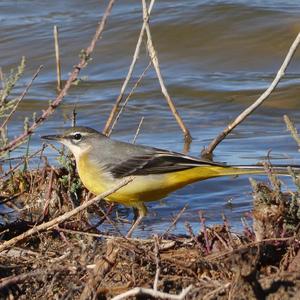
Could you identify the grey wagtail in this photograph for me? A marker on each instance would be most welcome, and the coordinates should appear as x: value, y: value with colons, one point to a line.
x: 102, y: 163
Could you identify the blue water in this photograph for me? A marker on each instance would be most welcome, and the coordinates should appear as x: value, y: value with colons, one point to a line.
x: 216, y: 57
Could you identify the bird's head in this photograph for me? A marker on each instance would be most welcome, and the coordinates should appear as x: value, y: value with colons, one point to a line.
x: 77, y: 139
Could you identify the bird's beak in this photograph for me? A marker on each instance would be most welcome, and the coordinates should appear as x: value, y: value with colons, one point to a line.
x: 55, y: 137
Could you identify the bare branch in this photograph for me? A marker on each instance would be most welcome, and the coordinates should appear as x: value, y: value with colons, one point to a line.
x: 157, y: 262
x: 138, y: 130
x: 127, y: 99
x: 292, y: 129
x: 57, y: 58
x: 115, y: 109
x: 14, y: 279
x: 281, y: 72
x: 155, y: 62
x: 156, y: 294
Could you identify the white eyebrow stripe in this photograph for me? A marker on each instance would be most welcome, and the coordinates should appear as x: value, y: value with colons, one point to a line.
x: 81, y: 133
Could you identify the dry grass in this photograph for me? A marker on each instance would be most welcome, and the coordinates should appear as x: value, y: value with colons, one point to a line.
x: 73, y: 261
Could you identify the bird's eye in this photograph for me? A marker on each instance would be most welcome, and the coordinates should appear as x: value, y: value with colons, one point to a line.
x: 77, y: 136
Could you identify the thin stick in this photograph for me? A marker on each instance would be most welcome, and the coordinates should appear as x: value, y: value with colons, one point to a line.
x: 281, y: 72
x: 207, y: 243
x: 156, y: 294
x: 191, y: 233
x: 48, y: 195
x: 57, y: 58
x: 21, y: 97
x: 73, y: 76
x: 214, y: 293
x: 21, y: 162
x: 12, y: 280
x: 114, y: 111
x: 138, y: 130
x: 174, y: 221
x: 154, y: 59
x: 64, y: 217
x: 252, y: 244
x: 127, y: 99
x: 292, y: 129
x: 157, y: 262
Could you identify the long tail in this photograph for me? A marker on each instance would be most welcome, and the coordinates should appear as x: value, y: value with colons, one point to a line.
x: 179, y: 179
x: 176, y: 180
x: 206, y: 172
x: 260, y: 169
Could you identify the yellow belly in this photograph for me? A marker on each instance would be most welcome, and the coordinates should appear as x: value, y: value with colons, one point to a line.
x: 141, y: 189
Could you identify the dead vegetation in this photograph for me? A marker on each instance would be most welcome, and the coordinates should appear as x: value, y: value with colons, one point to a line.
x: 74, y: 260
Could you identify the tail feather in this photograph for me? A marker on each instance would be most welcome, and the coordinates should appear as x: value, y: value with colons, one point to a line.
x: 260, y: 169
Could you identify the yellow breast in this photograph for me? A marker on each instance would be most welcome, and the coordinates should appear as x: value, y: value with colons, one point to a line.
x: 92, y: 176
x: 142, y: 188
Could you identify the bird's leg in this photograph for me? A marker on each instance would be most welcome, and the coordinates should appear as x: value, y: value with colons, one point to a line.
x: 134, y: 225
x: 140, y: 212
x: 136, y: 214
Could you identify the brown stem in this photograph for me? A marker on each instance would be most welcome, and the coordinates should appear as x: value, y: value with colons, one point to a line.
x: 120, y: 111
x: 155, y: 62
x: 114, y: 112
x: 73, y: 76
x: 57, y: 58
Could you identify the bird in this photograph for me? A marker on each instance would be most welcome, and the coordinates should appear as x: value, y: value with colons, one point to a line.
x: 102, y: 163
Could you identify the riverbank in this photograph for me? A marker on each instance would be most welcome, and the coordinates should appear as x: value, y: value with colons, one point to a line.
x: 73, y: 260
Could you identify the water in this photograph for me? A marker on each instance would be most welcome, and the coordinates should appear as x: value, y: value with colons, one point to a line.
x: 216, y: 57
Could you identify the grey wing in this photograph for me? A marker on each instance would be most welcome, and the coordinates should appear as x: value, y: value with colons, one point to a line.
x: 157, y: 162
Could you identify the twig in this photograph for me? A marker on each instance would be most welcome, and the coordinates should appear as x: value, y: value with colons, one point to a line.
x: 252, y: 244
x: 191, y: 233
x: 138, y: 130
x: 227, y: 227
x: 48, y: 195
x: 174, y: 221
x: 214, y: 293
x: 114, y: 111
x: 73, y: 76
x: 21, y: 97
x: 127, y: 99
x: 292, y: 129
x: 246, y: 228
x: 154, y: 59
x: 281, y: 72
x: 207, y: 243
x: 64, y: 217
x: 157, y: 262
x: 21, y: 162
x: 7, y: 281
x: 222, y: 241
x: 112, y: 223
x: 165, y: 244
x: 57, y: 58
x: 156, y: 294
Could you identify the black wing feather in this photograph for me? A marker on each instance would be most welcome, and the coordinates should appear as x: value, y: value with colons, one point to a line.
x: 157, y: 163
